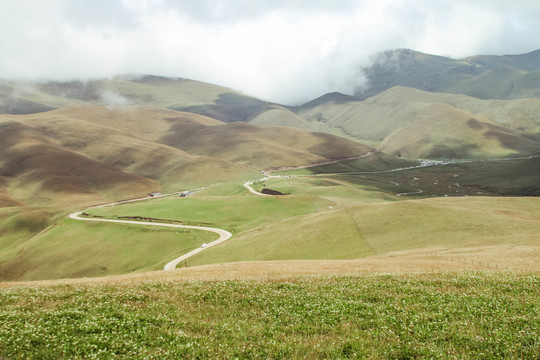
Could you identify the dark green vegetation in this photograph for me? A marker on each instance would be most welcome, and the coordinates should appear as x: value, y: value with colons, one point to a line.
x: 519, y: 177
x: 430, y: 316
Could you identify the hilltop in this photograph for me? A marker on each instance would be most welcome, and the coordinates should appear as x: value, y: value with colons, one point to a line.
x: 416, y: 105
x: 419, y: 124
x: 484, y: 77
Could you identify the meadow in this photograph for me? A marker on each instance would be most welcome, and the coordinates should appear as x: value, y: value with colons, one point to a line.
x: 323, y: 217
x: 340, y: 211
x: 335, y: 218
x: 74, y: 249
x: 468, y: 315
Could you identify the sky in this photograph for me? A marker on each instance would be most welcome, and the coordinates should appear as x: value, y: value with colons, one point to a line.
x: 287, y: 51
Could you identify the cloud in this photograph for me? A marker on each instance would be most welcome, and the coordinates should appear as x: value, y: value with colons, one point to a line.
x: 113, y: 99
x: 281, y: 50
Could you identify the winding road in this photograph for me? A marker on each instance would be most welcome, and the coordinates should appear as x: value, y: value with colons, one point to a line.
x: 410, y: 193
x: 248, y: 184
x: 171, y: 265
x: 223, y: 234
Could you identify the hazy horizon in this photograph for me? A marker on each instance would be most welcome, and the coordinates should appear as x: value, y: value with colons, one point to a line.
x: 283, y: 51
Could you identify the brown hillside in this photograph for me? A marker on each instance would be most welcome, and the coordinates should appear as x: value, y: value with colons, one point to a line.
x: 100, y: 154
x: 263, y: 146
x: 88, y: 155
x: 419, y: 124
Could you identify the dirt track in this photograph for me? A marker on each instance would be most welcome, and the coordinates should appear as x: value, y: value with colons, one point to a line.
x: 223, y: 234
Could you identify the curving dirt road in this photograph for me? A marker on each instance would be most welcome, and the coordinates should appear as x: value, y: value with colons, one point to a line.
x: 248, y: 184
x: 410, y: 193
x: 223, y: 234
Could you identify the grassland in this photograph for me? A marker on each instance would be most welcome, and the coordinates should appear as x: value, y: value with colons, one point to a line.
x: 124, y: 152
x: 438, y: 316
x: 26, y: 97
x: 340, y: 216
x: 418, y: 124
x: 485, y: 77
x: 72, y: 249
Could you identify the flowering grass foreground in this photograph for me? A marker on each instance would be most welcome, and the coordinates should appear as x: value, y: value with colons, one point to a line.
x: 439, y: 316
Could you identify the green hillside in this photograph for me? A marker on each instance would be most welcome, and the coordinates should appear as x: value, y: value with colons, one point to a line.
x: 69, y: 145
x: 485, y: 77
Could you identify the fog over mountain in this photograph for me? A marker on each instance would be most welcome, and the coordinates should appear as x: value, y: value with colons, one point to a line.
x: 282, y: 51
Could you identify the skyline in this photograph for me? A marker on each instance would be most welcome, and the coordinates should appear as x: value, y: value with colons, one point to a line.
x: 282, y: 51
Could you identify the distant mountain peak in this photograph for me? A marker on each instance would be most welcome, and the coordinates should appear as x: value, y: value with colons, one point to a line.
x: 332, y: 97
x: 468, y: 76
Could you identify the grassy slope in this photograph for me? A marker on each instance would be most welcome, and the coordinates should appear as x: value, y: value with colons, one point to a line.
x: 28, y: 97
x: 75, y: 249
x: 18, y: 224
x: 143, y: 148
x: 82, y: 249
x: 224, y: 104
x: 332, y: 217
x: 437, y: 316
x: 263, y: 147
x: 486, y: 77
x: 502, y: 83
x: 351, y: 231
x: 234, y: 212
x: 416, y: 124
x: 63, y: 160
x: 279, y: 116
x: 120, y: 153
x: 449, y: 223
x: 330, y: 222
x: 128, y: 140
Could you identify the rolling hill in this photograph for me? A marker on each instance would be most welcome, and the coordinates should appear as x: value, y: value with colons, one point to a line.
x: 417, y: 105
x: 61, y: 160
x: 25, y: 97
x: 68, y: 145
x: 84, y: 149
x: 418, y: 124
x: 484, y: 77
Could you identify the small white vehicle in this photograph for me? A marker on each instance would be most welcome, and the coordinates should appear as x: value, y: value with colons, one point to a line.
x: 203, y: 245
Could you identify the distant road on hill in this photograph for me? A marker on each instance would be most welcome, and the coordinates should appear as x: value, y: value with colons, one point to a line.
x: 223, y: 234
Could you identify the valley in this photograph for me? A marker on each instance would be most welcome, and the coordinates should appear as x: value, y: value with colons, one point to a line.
x: 207, y: 218
x: 337, y: 216
x: 342, y: 163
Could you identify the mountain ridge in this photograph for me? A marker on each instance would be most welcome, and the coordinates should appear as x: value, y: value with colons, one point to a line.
x: 468, y: 76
